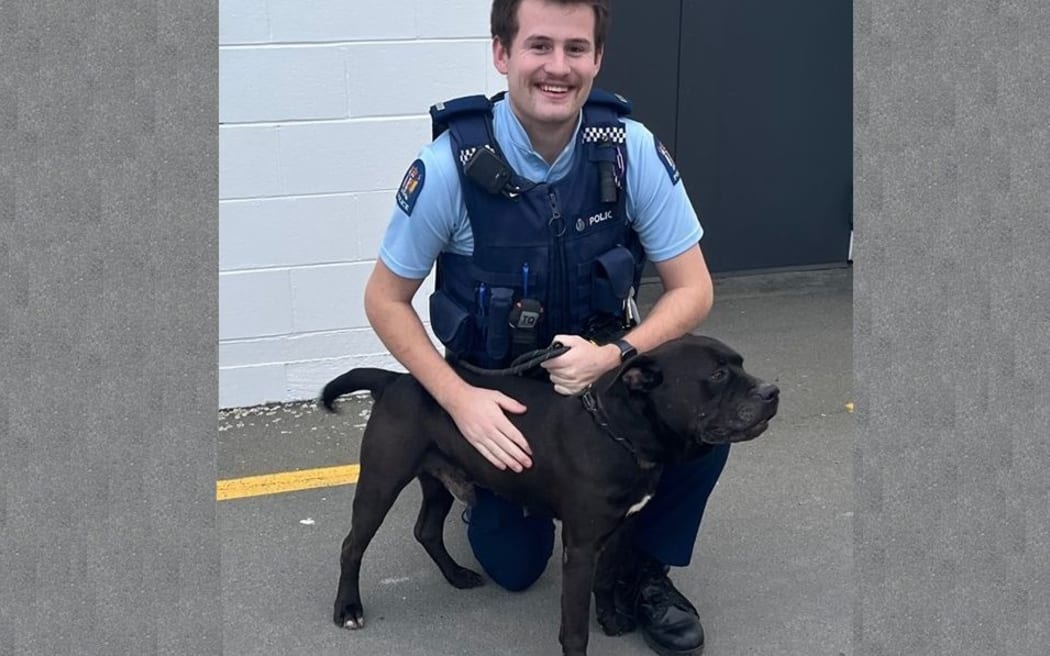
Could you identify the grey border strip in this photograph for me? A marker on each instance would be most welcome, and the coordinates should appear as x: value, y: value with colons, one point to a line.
x: 951, y: 318
x: 108, y: 245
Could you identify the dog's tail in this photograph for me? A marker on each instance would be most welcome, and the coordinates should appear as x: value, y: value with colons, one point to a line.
x: 373, y: 380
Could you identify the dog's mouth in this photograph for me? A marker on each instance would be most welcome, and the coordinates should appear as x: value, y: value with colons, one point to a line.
x: 753, y: 432
x: 727, y: 435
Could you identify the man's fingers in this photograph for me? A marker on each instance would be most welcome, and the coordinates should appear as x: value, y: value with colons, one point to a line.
x: 485, y: 425
x: 503, y: 453
x: 510, y: 440
x: 491, y: 457
x: 565, y: 385
x: 568, y: 391
x: 513, y: 455
x: 510, y: 405
x: 515, y: 439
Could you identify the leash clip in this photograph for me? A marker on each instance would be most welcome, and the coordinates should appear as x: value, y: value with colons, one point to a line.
x: 588, y: 400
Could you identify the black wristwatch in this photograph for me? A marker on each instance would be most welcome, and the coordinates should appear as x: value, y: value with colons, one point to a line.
x: 626, y: 350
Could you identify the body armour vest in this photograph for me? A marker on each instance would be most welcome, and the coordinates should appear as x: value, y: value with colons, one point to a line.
x: 548, y: 258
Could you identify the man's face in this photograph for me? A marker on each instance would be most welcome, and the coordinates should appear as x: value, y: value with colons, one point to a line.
x: 551, y: 65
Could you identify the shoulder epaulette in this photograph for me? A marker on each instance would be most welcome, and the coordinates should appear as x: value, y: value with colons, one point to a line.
x: 613, y: 101
x: 443, y: 112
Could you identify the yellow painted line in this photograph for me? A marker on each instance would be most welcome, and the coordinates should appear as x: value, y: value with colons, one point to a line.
x: 307, y: 479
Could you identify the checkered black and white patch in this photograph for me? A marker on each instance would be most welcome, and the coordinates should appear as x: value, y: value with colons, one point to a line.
x: 614, y: 134
x: 465, y: 154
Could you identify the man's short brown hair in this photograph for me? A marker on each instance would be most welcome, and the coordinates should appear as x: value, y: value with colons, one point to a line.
x: 504, y: 19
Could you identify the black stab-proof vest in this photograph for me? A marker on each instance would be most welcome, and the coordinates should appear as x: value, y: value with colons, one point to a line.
x: 548, y: 258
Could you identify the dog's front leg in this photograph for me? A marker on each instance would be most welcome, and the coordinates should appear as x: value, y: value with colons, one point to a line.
x: 578, y: 561
x: 613, y: 601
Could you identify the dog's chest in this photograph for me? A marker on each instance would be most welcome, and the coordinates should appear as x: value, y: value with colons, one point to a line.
x: 641, y: 504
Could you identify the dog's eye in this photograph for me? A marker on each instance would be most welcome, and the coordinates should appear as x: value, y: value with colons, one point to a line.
x: 719, y: 376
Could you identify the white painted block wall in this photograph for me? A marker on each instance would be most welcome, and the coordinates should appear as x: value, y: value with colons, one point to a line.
x: 322, y: 107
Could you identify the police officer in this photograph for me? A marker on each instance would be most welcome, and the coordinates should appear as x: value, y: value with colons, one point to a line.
x: 538, y: 209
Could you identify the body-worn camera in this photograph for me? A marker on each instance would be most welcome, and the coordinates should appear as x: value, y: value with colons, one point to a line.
x: 488, y: 170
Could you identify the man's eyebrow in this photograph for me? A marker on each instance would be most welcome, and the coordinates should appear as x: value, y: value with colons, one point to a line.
x: 542, y: 37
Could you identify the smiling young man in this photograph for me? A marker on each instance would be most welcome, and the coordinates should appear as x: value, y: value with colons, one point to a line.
x: 539, y: 209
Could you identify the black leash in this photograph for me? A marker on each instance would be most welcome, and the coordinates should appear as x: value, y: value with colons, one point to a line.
x: 531, y: 359
x: 522, y: 363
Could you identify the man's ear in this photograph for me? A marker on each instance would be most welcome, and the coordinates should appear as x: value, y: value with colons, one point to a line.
x: 641, y: 375
x: 500, y: 55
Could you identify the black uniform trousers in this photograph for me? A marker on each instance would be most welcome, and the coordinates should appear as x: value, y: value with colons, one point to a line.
x: 513, y: 548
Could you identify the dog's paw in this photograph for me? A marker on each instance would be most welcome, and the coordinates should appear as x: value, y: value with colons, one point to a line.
x: 464, y: 578
x: 349, y: 616
x: 615, y: 623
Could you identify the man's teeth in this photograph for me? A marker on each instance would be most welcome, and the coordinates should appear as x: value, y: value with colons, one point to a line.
x: 553, y: 89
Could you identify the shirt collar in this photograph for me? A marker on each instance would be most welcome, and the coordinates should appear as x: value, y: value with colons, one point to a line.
x: 517, y: 147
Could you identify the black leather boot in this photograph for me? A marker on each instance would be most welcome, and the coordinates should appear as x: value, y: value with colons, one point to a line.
x: 669, y: 622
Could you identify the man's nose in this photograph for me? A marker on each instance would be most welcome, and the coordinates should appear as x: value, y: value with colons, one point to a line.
x: 558, y: 62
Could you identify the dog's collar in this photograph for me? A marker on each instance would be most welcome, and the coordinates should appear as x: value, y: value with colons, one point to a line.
x: 594, y: 406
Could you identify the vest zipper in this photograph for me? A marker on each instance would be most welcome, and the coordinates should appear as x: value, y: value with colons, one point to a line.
x: 556, y: 310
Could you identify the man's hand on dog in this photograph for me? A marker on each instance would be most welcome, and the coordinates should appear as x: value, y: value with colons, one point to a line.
x: 577, y: 369
x: 479, y: 415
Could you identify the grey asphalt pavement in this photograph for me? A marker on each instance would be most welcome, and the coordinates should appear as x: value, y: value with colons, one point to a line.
x: 772, y: 569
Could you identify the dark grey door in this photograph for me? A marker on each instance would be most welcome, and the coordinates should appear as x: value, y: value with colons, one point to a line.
x: 754, y: 99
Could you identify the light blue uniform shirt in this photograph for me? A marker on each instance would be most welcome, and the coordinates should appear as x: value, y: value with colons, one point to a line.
x: 658, y: 208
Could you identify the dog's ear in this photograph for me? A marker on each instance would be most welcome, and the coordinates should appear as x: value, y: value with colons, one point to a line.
x: 641, y: 375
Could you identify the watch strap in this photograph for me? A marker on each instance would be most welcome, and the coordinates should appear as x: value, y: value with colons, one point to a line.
x: 627, y: 350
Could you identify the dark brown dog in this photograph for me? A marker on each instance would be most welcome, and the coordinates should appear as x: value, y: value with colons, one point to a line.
x: 595, y: 458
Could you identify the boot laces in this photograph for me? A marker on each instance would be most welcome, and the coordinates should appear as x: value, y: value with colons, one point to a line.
x: 658, y: 592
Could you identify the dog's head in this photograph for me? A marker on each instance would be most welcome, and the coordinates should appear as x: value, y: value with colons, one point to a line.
x: 696, y: 389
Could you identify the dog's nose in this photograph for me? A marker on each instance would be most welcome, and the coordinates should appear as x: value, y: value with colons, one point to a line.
x: 766, y: 392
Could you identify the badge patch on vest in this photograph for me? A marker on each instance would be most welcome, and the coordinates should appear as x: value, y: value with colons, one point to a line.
x: 411, y: 185
x: 667, y: 160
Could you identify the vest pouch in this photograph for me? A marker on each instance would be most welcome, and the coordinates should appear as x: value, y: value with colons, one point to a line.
x: 451, y: 323
x: 497, y: 335
x: 611, y: 281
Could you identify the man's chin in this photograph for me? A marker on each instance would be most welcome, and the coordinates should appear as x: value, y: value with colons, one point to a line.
x: 557, y: 114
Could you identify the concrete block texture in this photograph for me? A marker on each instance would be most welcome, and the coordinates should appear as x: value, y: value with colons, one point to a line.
x: 322, y: 107
x: 298, y: 348
x: 338, y: 20
x: 248, y: 162
x: 261, y: 161
x: 282, y: 83
x: 391, y: 78
x: 251, y: 385
x: 243, y: 21
x: 325, y: 297
x: 366, y: 155
x: 254, y: 303
x: 302, y: 230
